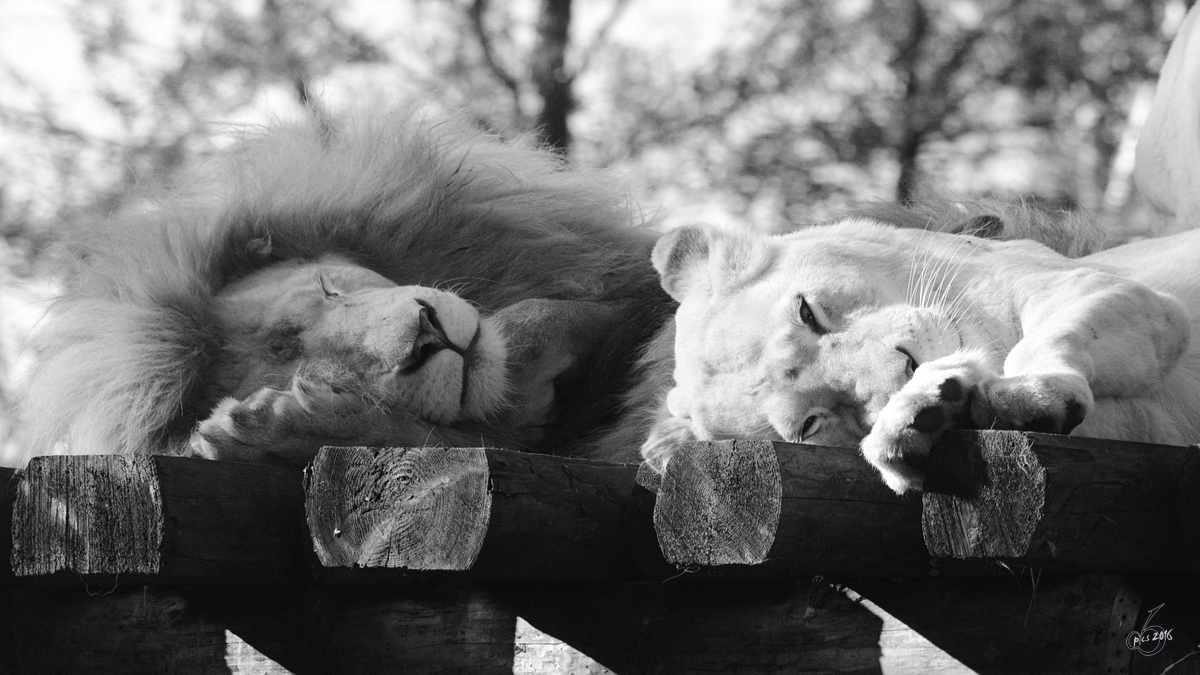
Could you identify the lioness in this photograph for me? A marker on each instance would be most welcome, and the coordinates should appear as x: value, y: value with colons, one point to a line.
x: 860, y: 332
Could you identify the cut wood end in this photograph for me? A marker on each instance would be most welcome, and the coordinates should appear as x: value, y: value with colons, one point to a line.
x: 1000, y: 517
x: 719, y: 503
x: 411, y: 508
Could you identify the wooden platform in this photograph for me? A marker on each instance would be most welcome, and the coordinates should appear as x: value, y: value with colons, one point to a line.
x: 1038, y: 554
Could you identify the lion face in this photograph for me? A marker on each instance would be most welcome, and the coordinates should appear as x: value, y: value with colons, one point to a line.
x: 331, y: 322
x: 803, y: 337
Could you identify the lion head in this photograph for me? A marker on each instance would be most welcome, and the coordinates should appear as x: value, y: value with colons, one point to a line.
x: 413, y: 348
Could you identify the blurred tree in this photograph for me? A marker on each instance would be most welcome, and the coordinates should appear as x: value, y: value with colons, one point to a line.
x: 552, y: 66
x: 825, y: 103
x: 226, y: 52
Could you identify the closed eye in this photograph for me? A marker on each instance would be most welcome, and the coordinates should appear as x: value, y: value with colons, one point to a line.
x: 809, y: 318
x: 910, y: 364
x: 811, y: 426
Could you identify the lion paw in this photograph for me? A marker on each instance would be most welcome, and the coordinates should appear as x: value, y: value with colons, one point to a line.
x: 270, y: 421
x: 961, y: 392
x: 936, y: 399
x: 1048, y: 403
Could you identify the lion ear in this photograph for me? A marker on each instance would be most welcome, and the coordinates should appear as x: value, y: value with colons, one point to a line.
x: 680, y: 256
x: 986, y: 226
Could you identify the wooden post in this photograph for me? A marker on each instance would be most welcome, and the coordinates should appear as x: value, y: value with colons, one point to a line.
x: 790, y: 508
x: 499, y: 514
x: 177, y: 519
x: 1047, y: 499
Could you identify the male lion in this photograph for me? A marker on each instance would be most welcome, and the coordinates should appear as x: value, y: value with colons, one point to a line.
x: 399, y: 281
x: 858, y: 331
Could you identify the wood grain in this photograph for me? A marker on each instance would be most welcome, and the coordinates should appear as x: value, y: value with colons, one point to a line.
x: 173, y: 519
x: 497, y: 514
x: 1059, y: 500
x: 86, y: 514
x: 791, y: 509
x: 719, y: 503
x: 410, y: 508
x: 1030, y: 499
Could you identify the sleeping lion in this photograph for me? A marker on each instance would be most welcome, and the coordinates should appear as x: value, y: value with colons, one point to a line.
x: 858, y: 332
x: 403, y: 281
x: 400, y: 282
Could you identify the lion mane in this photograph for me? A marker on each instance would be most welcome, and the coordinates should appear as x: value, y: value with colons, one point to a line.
x: 127, y: 352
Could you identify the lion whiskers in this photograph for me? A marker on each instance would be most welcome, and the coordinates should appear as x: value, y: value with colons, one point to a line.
x: 931, y: 280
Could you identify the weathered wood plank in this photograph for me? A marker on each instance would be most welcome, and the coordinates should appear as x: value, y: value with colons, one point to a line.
x: 795, y: 509
x: 1059, y: 500
x: 500, y: 514
x: 170, y: 518
x: 1032, y: 498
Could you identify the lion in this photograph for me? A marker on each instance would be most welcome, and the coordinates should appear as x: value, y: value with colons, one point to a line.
x: 861, y: 333
x: 395, y: 280
x: 401, y: 280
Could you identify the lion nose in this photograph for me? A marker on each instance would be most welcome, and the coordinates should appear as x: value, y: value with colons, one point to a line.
x: 430, y: 339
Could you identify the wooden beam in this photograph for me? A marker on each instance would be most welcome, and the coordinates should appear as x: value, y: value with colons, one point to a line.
x: 1059, y: 500
x: 1033, y: 499
x: 128, y: 629
x: 1018, y: 623
x: 169, y: 519
x: 786, y: 508
x: 491, y: 513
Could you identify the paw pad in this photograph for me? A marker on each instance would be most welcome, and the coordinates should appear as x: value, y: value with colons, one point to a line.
x: 951, y: 390
x: 928, y: 420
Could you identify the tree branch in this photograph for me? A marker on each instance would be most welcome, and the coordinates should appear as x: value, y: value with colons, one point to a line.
x: 601, y: 37
x: 475, y: 13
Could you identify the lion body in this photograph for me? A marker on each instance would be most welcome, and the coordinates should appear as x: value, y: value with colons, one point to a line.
x: 860, y: 332
x: 403, y: 281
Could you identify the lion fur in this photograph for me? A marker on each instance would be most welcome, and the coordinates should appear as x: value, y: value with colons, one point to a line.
x: 124, y: 352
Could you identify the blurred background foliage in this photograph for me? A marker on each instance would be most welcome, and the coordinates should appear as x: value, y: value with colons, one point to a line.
x: 763, y: 113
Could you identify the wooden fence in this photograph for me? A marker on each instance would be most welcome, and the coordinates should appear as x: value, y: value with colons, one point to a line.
x: 1029, y: 553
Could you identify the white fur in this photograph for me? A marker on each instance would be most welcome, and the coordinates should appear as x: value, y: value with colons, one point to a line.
x: 1006, y: 334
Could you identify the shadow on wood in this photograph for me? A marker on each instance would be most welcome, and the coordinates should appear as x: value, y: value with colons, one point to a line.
x: 454, y: 628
